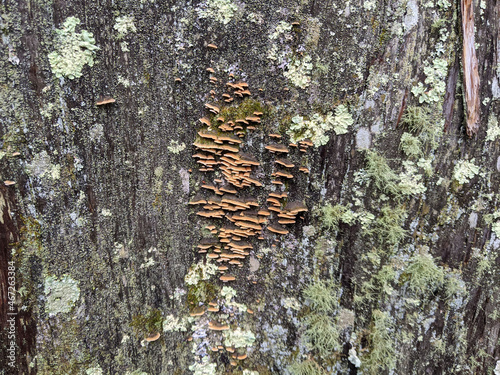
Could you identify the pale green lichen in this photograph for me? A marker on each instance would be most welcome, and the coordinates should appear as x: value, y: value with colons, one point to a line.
x: 464, y: 171
x: 435, y: 84
x: 124, y: 25
x: 176, y: 147
x: 299, y: 71
x: 228, y: 293
x: 221, y: 11
x: 94, y: 371
x: 74, y: 50
x: 308, y: 367
x: 410, y: 181
x: 316, y: 127
x: 426, y: 165
x: 424, y: 276
x: 322, y: 296
x: 200, y: 271
x: 332, y: 216
x: 282, y: 28
x: 410, y: 145
x: 204, y: 368
x: 322, y: 334
x: 385, y: 179
x: 238, y: 338
x: 493, y: 131
x: 382, y: 354
x: 61, y: 294
x: 250, y: 372
x: 342, y: 120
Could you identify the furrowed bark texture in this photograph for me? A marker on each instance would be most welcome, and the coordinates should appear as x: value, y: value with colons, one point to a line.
x: 394, y: 268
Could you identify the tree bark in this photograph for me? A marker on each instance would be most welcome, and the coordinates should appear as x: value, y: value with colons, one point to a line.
x: 393, y: 269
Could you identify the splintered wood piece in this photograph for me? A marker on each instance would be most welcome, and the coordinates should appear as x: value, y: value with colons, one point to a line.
x: 470, y: 66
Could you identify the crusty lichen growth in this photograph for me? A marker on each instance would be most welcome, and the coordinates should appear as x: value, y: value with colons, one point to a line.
x: 61, y: 293
x: 73, y: 50
x: 124, y: 25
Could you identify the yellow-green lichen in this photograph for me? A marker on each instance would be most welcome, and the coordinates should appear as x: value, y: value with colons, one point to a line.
x: 316, y: 127
x: 239, y: 338
x: 61, y: 293
x: 435, y: 85
x: 74, y: 50
x: 410, y: 145
x: 221, y: 11
x: 493, y: 131
x: 299, y: 71
x: 464, y: 171
x: 423, y: 275
x: 342, y: 120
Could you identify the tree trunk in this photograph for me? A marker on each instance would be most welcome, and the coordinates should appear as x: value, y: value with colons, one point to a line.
x: 118, y: 216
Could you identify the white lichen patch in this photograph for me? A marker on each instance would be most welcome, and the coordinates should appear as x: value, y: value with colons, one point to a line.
x: 291, y: 303
x: 299, y: 71
x: 124, y: 25
x: 176, y: 147
x: 73, y: 50
x: 411, y: 16
x: 250, y: 372
x: 464, y: 171
x: 61, y: 294
x: 221, y: 11
x: 106, y: 212
x: 40, y: 166
x: 199, y: 272
x: 363, y: 138
x: 174, y: 324
x: 239, y: 338
x: 353, y: 358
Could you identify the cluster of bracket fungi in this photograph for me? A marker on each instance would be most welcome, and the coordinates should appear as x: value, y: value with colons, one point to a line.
x: 231, y: 173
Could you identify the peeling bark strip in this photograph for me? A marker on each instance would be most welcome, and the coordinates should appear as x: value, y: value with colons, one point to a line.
x: 471, y: 76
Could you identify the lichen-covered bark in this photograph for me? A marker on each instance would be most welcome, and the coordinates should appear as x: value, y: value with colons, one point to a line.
x: 393, y: 269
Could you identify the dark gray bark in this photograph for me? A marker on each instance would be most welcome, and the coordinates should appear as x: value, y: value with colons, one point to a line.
x: 98, y: 223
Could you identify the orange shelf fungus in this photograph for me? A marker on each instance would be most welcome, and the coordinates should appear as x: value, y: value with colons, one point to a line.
x: 216, y: 326
x: 153, y: 337
x: 105, y: 100
x: 226, y: 278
